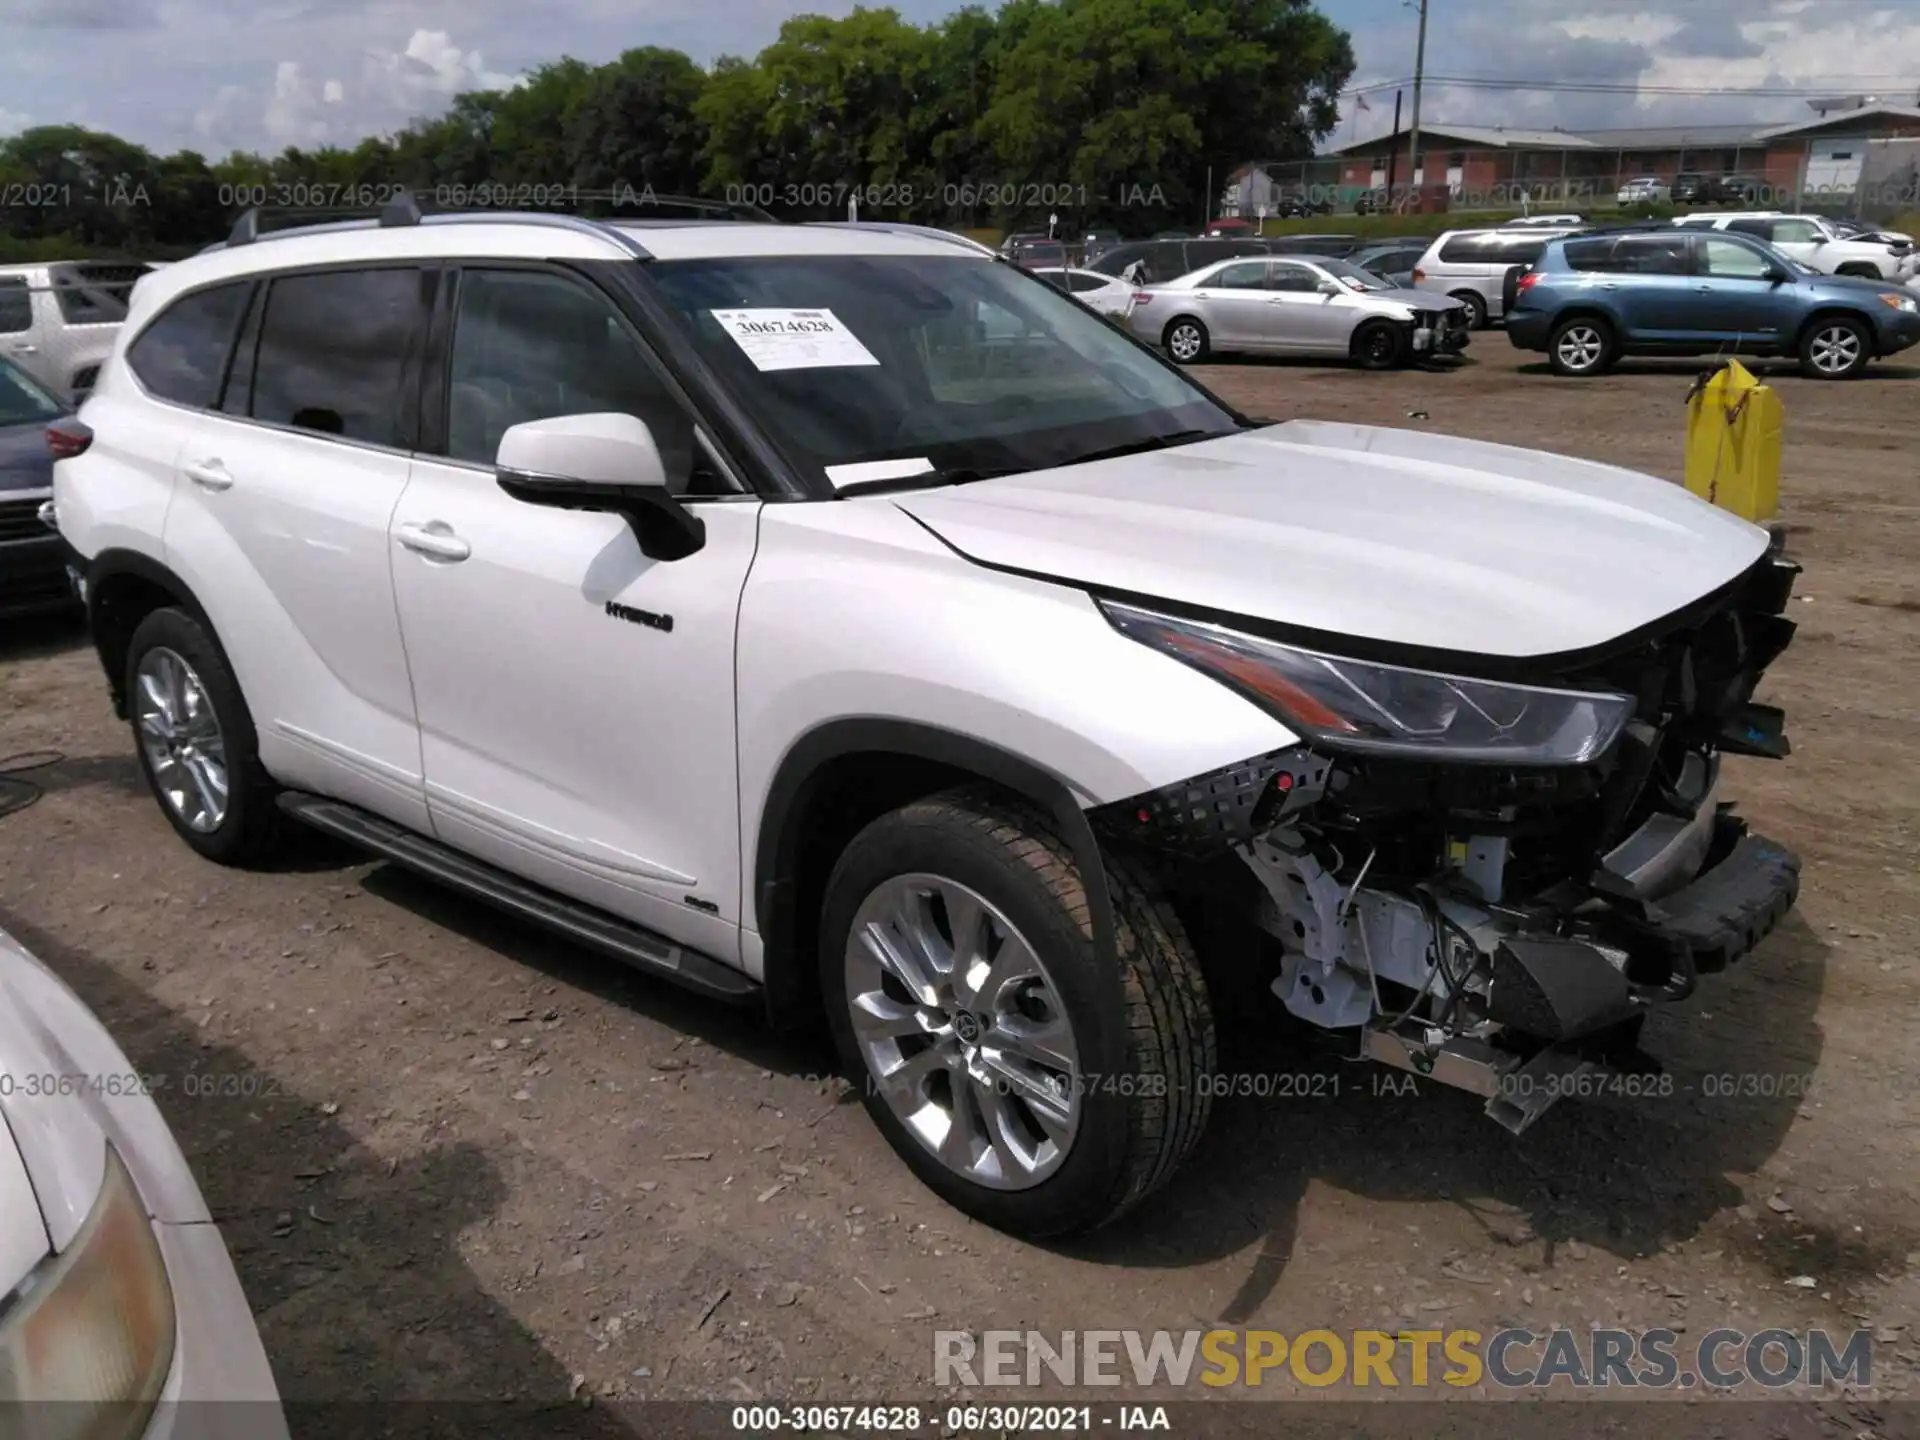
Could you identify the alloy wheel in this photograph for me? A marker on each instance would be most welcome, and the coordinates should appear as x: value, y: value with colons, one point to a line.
x: 180, y: 736
x: 963, y: 1031
x: 1184, y: 342
x: 1581, y: 347
x: 1835, y: 349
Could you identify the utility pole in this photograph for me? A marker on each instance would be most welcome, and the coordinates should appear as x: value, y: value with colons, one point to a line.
x: 1393, y: 148
x: 1419, y: 72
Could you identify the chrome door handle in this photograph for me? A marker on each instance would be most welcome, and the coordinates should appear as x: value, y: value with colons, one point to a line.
x: 208, y: 475
x: 435, y: 539
x: 23, y: 349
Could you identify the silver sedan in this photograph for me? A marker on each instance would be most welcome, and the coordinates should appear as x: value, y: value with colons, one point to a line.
x: 1300, y: 305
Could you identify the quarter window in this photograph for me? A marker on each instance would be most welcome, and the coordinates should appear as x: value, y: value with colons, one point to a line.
x: 333, y: 350
x: 533, y: 346
x: 16, y: 307
x: 1082, y: 282
x: 182, y: 355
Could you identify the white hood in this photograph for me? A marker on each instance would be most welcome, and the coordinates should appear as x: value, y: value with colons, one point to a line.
x: 1393, y: 536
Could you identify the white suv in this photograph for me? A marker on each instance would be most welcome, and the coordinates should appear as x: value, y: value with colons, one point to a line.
x: 838, y: 618
x: 57, y: 321
x: 1814, y: 243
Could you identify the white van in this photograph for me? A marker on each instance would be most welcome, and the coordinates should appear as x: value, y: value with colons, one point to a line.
x: 1472, y: 265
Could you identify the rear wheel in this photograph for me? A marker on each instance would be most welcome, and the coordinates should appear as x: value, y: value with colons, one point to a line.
x: 1835, y: 347
x: 1581, y: 346
x: 1476, y: 304
x: 1379, y: 345
x: 1025, y: 1081
x: 196, y: 741
x: 1186, y: 340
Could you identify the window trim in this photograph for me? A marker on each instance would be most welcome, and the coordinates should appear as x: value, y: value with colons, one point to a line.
x: 434, y: 391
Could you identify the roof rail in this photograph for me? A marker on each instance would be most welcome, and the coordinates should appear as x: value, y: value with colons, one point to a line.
x: 403, y: 210
x: 733, y: 210
x: 900, y: 227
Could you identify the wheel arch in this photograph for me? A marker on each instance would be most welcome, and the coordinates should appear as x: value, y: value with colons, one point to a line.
x: 842, y: 775
x: 124, y: 587
x: 1833, y: 311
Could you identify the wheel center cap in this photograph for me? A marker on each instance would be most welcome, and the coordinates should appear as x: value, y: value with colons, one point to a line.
x: 966, y: 1028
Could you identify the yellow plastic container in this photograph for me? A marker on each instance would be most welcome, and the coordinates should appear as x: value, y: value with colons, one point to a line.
x: 1733, y: 444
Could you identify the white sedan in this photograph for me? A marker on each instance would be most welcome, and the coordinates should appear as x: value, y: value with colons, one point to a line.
x: 117, y: 1296
x: 1102, y: 293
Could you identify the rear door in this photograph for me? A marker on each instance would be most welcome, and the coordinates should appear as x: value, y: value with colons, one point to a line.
x: 280, y: 526
x: 1653, y: 290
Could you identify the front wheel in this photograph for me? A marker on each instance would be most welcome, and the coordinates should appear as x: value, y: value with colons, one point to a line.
x: 1021, y: 1078
x: 1581, y: 346
x: 1379, y: 345
x: 1835, y: 347
x: 1476, y: 304
x: 1186, y: 341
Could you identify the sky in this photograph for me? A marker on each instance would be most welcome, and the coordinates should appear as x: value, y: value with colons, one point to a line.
x: 216, y: 75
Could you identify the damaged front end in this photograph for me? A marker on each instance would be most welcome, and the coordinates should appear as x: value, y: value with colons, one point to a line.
x: 1493, y: 881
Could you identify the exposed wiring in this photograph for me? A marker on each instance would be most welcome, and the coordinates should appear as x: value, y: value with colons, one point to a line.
x: 16, y: 792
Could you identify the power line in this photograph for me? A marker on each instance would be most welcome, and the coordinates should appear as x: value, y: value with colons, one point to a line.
x: 1900, y: 90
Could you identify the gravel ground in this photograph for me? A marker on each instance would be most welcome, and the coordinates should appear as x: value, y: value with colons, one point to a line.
x: 454, y: 1157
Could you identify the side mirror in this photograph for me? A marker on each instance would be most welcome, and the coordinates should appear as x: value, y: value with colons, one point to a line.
x: 1778, y: 276
x: 607, y: 462
x: 1330, y: 287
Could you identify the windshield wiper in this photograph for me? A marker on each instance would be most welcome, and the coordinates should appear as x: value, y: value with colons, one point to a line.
x: 925, y: 480
x: 1137, y: 447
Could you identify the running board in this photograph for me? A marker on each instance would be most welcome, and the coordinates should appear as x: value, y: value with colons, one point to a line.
x: 623, y: 940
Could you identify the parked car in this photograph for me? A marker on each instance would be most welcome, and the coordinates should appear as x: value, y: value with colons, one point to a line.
x: 1300, y: 206
x: 1163, y: 260
x: 1034, y: 252
x: 123, y: 1312
x: 57, y: 321
x: 1690, y: 188
x: 1643, y: 190
x: 1681, y: 291
x: 1472, y: 265
x: 1043, y: 655
x: 1814, y: 242
x: 1392, y: 261
x: 1295, y: 306
x: 1542, y: 222
x: 1737, y: 190
x: 1096, y: 242
x: 33, y: 569
x: 1102, y: 293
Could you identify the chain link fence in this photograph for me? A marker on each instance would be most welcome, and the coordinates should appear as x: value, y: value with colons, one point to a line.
x: 1874, y: 179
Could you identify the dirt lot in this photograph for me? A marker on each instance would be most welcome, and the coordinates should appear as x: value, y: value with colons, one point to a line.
x: 452, y: 1155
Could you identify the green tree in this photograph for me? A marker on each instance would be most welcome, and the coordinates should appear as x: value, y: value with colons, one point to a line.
x: 637, y: 124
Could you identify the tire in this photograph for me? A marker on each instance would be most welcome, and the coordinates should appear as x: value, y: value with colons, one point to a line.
x: 173, y: 665
x: 1476, y: 304
x: 1581, y: 346
x: 1860, y: 271
x: 1835, y: 347
x: 1186, y: 341
x: 1125, y: 1094
x: 1379, y: 345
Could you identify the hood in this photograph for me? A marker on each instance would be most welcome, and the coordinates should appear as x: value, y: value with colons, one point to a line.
x: 23, y: 1234
x: 1414, y: 299
x: 24, y: 461
x: 1389, y: 536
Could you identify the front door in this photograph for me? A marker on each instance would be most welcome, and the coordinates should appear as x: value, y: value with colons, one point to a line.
x: 1305, y: 318
x: 1738, y: 303
x: 1233, y: 304
x: 576, y: 698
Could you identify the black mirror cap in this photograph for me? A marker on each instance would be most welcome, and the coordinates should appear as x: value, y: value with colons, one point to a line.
x: 666, y: 529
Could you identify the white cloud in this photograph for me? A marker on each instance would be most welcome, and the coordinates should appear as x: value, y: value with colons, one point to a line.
x: 13, y: 121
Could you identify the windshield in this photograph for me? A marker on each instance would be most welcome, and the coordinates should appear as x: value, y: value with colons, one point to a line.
x: 22, y: 401
x: 869, y: 368
x: 1353, y: 276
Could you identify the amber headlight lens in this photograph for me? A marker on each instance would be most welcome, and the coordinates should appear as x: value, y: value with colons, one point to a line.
x: 87, y: 1343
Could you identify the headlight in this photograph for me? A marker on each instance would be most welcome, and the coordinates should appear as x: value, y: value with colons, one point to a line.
x: 93, y: 1329
x: 1358, y: 705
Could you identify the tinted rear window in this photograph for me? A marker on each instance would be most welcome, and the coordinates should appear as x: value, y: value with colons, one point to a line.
x: 182, y: 355
x: 1506, y: 249
x: 333, y: 350
x: 16, y: 306
x: 1588, y: 254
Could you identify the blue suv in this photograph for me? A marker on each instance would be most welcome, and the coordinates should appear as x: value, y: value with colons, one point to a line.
x: 1591, y: 299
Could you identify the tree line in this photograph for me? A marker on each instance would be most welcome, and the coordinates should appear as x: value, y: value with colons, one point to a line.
x: 1107, y: 113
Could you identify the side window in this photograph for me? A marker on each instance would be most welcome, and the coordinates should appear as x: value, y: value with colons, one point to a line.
x: 1083, y: 282
x: 1729, y: 259
x: 182, y: 355
x: 1248, y: 275
x: 1167, y: 260
x: 1294, y: 279
x: 1759, y: 229
x: 16, y: 306
x: 1466, y: 250
x: 333, y: 352
x: 532, y: 346
x: 1590, y: 255
x: 1795, y: 232
x: 1652, y: 255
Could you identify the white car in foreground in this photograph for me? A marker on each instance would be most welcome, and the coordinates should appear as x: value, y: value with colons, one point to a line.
x: 120, y: 1301
x: 1103, y: 294
x: 842, y: 621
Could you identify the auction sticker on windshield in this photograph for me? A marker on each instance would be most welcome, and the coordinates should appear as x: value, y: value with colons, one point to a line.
x: 794, y: 339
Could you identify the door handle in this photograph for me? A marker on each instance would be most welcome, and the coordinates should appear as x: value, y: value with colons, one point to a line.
x: 1609, y: 284
x: 435, y: 539
x: 1704, y: 289
x: 23, y: 349
x: 208, y: 475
